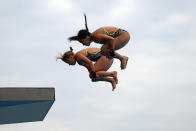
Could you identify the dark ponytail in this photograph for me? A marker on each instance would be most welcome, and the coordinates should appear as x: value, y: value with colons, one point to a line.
x: 86, y: 22
x: 73, y: 38
x: 82, y: 33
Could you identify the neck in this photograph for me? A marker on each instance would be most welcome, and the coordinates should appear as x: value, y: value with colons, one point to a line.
x: 94, y: 39
x: 91, y: 38
x: 75, y: 58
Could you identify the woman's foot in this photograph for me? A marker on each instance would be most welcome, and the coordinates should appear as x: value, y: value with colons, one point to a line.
x: 113, y: 85
x: 115, y: 76
x: 124, y: 62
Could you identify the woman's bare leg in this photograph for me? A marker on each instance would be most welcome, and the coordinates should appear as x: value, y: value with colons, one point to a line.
x: 103, y: 64
x: 119, y: 42
x: 107, y: 79
x: 123, y: 60
x: 106, y: 74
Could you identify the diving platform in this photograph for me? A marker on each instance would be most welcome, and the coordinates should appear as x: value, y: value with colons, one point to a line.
x: 19, y: 105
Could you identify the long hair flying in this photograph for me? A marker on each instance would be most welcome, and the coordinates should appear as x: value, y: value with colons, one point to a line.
x: 86, y: 22
x: 82, y: 33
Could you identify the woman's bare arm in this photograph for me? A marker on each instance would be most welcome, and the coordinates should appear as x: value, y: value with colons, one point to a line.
x: 83, y: 60
x: 102, y: 38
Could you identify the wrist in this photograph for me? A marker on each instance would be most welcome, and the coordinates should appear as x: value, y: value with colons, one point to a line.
x: 111, y: 52
x: 93, y: 74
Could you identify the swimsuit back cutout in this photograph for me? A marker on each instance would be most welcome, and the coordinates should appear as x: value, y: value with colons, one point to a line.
x: 93, y: 56
x: 114, y: 34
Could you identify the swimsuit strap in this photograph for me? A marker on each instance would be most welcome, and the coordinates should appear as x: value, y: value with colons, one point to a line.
x: 110, y: 34
x: 93, y: 53
x: 93, y: 56
x: 86, y: 52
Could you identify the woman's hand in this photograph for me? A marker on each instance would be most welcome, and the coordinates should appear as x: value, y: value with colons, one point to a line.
x: 92, y: 75
x: 112, y: 53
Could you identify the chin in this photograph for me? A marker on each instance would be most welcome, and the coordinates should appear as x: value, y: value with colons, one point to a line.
x: 87, y: 44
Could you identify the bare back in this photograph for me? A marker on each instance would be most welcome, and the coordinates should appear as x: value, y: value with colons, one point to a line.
x: 100, y: 30
x: 90, y: 49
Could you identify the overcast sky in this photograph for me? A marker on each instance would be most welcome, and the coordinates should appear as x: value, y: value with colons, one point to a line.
x: 157, y: 90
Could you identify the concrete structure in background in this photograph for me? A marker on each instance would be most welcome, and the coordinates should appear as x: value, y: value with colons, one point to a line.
x: 25, y: 104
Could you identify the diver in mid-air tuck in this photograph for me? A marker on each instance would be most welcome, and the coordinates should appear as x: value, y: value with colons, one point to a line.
x: 112, y: 39
x: 98, y: 70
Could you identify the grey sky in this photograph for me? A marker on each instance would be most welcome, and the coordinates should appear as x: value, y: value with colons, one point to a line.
x: 155, y: 93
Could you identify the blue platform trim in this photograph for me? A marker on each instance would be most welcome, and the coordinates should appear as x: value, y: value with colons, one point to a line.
x: 14, y: 103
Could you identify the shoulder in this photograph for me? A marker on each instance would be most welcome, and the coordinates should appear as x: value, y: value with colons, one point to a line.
x: 102, y: 30
x: 79, y: 58
x: 80, y: 54
x: 98, y: 31
x: 93, y: 49
x: 101, y: 38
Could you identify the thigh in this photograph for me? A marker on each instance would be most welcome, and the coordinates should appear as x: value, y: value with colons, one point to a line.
x: 103, y: 64
x: 121, y: 40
